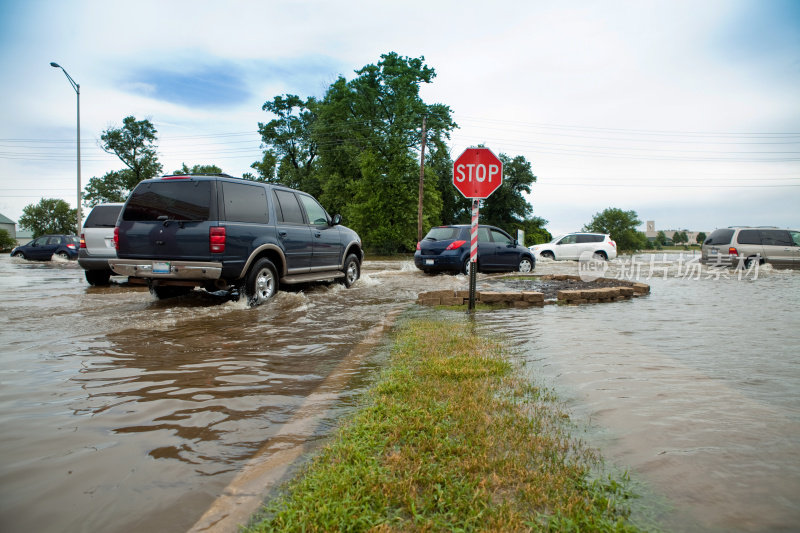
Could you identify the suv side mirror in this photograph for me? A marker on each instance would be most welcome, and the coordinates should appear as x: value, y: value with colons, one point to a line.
x: 337, y: 219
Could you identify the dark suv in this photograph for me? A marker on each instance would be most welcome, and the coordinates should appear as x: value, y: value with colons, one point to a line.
x: 224, y: 233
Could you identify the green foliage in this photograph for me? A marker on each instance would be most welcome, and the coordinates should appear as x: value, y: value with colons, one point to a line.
x: 450, y: 438
x: 661, y: 238
x: 292, y: 149
x: 357, y: 150
x: 621, y: 225
x: 507, y: 207
x: 535, y: 232
x: 701, y: 237
x: 50, y: 215
x: 679, y: 237
x: 134, y: 145
x: 197, y: 169
x: 6, y: 242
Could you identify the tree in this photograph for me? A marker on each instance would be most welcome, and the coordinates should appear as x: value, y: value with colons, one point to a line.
x: 679, y: 237
x: 535, y: 233
x: 357, y: 150
x: 134, y: 144
x: 6, y: 242
x: 50, y: 215
x: 197, y: 169
x: 701, y: 237
x: 507, y: 207
x: 290, y: 145
x: 661, y: 238
x: 621, y: 225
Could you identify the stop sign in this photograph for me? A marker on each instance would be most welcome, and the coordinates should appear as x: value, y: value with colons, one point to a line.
x: 477, y: 173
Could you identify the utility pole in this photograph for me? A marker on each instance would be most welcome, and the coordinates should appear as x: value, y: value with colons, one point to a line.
x: 421, y: 180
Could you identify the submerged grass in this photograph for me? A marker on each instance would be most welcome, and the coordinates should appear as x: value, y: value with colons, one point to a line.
x: 450, y: 438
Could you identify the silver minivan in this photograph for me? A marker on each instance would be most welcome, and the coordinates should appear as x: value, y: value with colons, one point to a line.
x: 740, y: 246
x: 97, y: 243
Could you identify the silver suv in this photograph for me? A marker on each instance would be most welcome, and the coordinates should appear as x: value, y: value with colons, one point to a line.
x: 741, y: 246
x: 97, y: 243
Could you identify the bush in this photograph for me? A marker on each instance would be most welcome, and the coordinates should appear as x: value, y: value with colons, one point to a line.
x: 6, y: 242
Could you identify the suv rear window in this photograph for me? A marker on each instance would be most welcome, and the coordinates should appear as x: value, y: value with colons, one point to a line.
x: 720, y: 236
x: 172, y: 200
x: 446, y: 233
x: 103, y: 216
x: 584, y: 238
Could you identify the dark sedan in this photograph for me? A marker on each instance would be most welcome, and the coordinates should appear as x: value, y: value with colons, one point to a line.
x: 446, y: 248
x: 45, y: 247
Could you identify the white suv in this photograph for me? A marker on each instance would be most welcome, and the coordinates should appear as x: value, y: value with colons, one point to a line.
x: 97, y: 243
x: 573, y: 245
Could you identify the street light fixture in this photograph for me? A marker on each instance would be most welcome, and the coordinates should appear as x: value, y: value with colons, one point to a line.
x: 77, y: 88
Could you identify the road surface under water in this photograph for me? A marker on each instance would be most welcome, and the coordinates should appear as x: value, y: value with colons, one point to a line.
x: 121, y: 413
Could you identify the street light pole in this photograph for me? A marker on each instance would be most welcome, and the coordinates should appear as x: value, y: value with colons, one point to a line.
x: 77, y: 88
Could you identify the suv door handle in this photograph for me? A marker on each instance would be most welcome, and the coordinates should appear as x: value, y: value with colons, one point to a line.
x: 317, y: 234
x: 282, y: 234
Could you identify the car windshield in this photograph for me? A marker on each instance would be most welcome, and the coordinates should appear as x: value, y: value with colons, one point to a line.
x: 558, y: 238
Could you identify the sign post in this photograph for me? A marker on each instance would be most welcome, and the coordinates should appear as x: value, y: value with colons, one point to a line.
x: 477, y: 173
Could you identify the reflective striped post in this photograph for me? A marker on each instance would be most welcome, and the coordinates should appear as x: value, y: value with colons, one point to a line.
x: 473, y: 254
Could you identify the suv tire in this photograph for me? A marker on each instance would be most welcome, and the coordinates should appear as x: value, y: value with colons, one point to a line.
x: 352, y: 270
x: 261, y: 283
x: 98, y: 277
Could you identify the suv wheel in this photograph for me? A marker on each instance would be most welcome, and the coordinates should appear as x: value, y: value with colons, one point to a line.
x: 63, y: 255
x: 98, y: 277
x: 548, y: 255
x: 525, y: 265
x: 600, y: 255
x: 262, y: 282
x: 19, y: 254
x: 352, y: 270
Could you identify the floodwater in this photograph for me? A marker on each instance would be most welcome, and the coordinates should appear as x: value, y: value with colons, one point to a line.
x: 122, y: 413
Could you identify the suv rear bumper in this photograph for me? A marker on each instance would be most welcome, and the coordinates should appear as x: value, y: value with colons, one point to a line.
x: 178, y: 270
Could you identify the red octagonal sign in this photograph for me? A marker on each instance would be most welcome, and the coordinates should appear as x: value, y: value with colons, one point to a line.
x: 477, y: 173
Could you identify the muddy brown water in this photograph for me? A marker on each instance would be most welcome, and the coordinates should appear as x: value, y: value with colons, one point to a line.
x: 122, y: 413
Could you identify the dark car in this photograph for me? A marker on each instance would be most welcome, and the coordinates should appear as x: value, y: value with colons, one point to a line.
x: 97, y: 243
x: 446, y: 248
x: 45, y: 247
x: 223, y: 233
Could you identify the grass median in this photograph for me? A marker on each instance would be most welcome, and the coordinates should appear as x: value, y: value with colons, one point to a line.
x: 451, y: 438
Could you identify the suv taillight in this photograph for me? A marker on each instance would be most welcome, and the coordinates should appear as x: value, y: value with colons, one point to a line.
x: 216, y: 239
x: 733, y: 251
x: 83, y: 241
x: 418, y: 246
x: 612, y: 243
x: 116, y: 238
x: 455, y: 245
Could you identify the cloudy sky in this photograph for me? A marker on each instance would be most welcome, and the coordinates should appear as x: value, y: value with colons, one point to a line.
x: 687, y: 112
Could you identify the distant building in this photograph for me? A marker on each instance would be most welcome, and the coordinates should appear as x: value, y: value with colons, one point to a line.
x: 651, y: 233
x: 9, y: 225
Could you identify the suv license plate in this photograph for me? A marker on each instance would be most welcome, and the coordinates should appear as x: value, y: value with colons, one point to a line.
x: 429, y: 261
x: 161, y: 268
x: 714, y: 250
